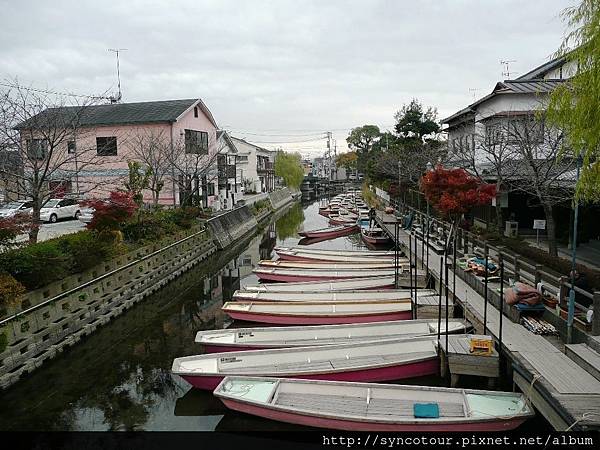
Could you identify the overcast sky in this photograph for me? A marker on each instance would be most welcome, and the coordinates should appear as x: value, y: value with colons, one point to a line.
x: 274, y: 71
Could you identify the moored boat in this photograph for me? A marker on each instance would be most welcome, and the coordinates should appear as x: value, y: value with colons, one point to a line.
x: 326, y: 296
x: 287, y: 275
x: 374, y: 236
x: 366, y: 265
x: 299, y: 255
x: 351, y: 284
x: 309, y: 335
x: 374, y: 407
x: 318, y: 313
x: 330, y: 232
x: 323, y: 251
x: 356, y: 361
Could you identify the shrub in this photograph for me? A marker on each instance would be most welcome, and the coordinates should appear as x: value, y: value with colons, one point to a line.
x: 11, y: 227
x: 11, y: 290
x: 111, y: 214
x: 36, y: 265
x: 85, y: 250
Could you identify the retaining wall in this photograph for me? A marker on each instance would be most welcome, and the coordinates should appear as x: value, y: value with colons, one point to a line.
x: 230, y: 227
x: 64, y: 312
x: 280, y: 197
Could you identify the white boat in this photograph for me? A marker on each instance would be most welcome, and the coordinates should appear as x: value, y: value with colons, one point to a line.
x: 366, y: 253
x: 331, y: 265
x: 361, y: 361
x: 352, y: 406
x: 298, y: 255
x: 318, y: 313
x: 233, y: 339
x: 328, y: 296
x: 298, y: 275
x: 352, y: 284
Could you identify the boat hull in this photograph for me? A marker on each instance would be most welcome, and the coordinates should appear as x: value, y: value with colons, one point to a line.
x: 329, y: 234
x: 316, y: 320
x: 389, y: 373
x: 351, y: 425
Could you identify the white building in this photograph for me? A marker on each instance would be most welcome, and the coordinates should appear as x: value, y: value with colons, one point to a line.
x: 255, y: 165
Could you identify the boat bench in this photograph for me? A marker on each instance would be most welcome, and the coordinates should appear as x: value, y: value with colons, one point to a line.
x: 585, y: 357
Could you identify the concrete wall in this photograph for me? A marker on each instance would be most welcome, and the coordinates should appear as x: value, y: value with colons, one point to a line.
x: 230, y: 227
x: 280, y: 197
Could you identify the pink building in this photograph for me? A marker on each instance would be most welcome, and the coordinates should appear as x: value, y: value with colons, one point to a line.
x: 176, y: 137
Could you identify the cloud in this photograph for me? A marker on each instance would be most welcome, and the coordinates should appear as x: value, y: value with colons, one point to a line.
x: 281, y: 65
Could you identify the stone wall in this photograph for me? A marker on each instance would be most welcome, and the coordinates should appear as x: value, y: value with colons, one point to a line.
x: 280, y: 197
x: 230, y: 227
x: 59, y: 315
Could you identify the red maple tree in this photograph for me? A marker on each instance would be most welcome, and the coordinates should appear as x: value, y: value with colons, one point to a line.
x: 110, y: 213
x: 454, y: 192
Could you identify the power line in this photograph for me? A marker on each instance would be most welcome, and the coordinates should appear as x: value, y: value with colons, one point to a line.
x: 47, y: 91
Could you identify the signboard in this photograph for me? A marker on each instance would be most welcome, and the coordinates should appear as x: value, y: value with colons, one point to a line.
x: 539, y: 224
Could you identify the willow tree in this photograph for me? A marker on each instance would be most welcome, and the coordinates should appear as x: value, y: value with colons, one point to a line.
x: 288, y: 166
x: 574, y: 106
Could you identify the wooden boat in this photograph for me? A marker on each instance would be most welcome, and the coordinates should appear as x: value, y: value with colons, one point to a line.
x: 340, y: 220
x: 309, y: 335
x: 351, y: 284
x: 330, y: 232
x: 318, y: 313
x: 374, y: 236
x: 351, y: 406
x: 299, y: 255
x: 357, y: 361
x: 367, y: 265
x: 288, y: 275
x: 349, y: 253
x: 398, y: 295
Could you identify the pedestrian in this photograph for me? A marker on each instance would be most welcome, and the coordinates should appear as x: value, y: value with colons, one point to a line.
x: 372, y: 214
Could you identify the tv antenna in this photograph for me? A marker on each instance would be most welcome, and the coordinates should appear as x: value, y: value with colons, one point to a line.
x: 474, y: 92
x: 506, y: 72
x: 119, y: 95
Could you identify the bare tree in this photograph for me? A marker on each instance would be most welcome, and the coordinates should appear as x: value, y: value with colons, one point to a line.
x: 192, y: 166
x: 43, y: 133
x: 546, y: 168
x: 153, y: 150
x: 488, y: 157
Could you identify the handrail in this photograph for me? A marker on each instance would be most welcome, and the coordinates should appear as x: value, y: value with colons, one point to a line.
x: 95, y: 280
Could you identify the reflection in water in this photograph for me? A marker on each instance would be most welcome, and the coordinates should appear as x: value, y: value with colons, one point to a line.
x: 288, y: 225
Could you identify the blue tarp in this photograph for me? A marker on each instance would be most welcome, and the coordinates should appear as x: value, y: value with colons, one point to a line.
x: 426, y: 410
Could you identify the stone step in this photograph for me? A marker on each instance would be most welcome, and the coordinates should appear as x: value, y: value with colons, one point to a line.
x: 585, y: 357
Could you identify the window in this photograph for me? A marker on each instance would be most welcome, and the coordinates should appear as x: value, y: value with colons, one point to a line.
x: 71, y: 147
x: 493, y: 134
x: 196, y: 142
x: 106, y: 146
x: 241, y: 158
x: 195, y: 111
x: 37, y: 148
x: 211, y: 189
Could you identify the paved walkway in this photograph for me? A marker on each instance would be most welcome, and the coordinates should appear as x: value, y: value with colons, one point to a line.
x: 571, y: 387
x: 586, y: 254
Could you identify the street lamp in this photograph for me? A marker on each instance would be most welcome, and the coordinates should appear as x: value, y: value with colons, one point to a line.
x: 571, y: 310
x: 429, y: 168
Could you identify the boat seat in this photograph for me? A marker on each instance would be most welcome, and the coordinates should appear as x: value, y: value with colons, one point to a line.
x: 377, y: 407
x: 282, y: 367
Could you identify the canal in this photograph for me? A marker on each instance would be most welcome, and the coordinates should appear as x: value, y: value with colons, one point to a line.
x: 119, y: 378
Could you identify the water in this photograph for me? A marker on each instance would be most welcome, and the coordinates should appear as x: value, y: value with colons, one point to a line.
x: 119, y: 378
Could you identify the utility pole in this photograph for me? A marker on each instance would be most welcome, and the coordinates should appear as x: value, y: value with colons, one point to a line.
x: 119, y: 95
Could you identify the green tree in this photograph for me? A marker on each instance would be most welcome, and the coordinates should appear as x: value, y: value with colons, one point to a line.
x: 413, y: 122
x: 348, y: 160
x: 139, y: 179
x: 574, y: 106
x: 289, y: 167
x: 361, y: 140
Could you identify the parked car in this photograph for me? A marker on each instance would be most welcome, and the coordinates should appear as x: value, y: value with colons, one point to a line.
x: 87, y: 214
x: 60, y: 208
x: 16, y: 207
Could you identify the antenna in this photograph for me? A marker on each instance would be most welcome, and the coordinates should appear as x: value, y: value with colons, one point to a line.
x: 506, y: 73
x: 119, y: 95
x: 474, y: 92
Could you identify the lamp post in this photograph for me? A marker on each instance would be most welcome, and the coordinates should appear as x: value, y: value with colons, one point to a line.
x: 429, y: 168
x: 571, y: 311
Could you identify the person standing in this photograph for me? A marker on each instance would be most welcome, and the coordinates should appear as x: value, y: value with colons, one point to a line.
x: 372, y: 214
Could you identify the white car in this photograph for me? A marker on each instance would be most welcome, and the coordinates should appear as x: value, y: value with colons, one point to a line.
x: 60, y: 208
x: 87, y: 214
x: 17, y: 207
